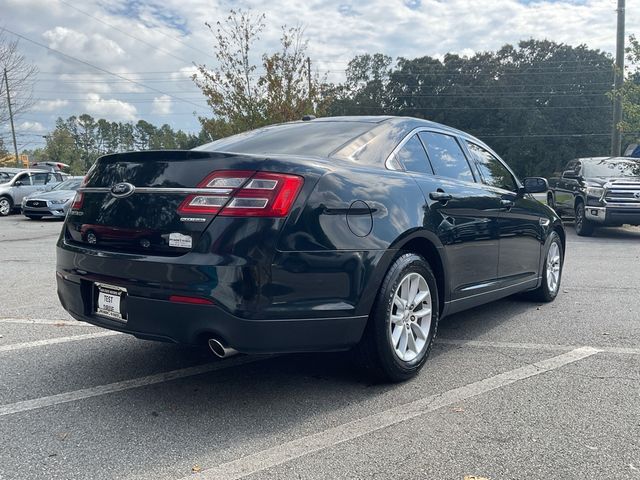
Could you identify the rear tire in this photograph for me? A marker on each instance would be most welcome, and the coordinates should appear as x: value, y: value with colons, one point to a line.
x: 551, y: 272
x: 399, y: 334
x: 6, y: 206
x: 584, y: 228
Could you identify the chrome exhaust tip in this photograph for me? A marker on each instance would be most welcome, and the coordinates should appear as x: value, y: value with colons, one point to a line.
x: 220, y: 350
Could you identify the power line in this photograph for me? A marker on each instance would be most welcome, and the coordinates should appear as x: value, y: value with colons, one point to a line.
x: 84, y: 62
x: 123, y: 32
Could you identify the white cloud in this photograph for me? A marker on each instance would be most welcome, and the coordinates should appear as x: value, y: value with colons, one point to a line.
x: 50, y: 105
x: 110, y: 108
x: 31, y: 127
x: 162, y: 105
x: 92, y: 47
x: 336, y: 29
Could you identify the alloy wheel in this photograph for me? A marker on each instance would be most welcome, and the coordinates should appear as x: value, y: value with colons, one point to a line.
x: 553, y: 267
x: 5, y: 206
x: 411, y: 314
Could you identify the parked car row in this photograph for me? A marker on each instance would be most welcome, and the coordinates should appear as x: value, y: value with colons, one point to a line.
x: 28, y: 190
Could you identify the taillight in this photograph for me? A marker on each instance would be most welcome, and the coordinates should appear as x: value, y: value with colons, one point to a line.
x: 77, y: 201
x: 243, y: 193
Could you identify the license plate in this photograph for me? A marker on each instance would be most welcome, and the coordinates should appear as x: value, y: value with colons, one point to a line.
x: 110, y: 301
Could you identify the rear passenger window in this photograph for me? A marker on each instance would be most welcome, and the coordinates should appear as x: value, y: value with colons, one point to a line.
x: 492, y: 171
x: 413, y: 156
x: 39, y: 178
x: 446, y: 156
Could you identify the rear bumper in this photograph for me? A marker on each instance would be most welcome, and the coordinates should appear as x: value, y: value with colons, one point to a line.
x: 162, y: 320
x: 613, y: 215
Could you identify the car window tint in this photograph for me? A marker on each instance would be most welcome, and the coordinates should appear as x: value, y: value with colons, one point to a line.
x: 24, y: 178
x: 299, y: 138
x: 446, y: 156
x: 492, y: 171
x: 413, y: 156
x: 39, y: 178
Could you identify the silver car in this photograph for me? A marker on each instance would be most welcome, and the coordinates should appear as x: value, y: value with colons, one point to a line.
x: 23, y: 183
x: 54, y: 203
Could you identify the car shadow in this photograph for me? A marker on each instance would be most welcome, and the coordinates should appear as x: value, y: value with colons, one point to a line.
x: 615, y: 233
x: 477, y: 322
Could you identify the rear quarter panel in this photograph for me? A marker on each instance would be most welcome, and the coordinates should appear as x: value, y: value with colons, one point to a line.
x: 338, y: 247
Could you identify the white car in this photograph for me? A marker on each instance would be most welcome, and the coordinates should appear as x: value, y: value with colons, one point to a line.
x: 23, y: 183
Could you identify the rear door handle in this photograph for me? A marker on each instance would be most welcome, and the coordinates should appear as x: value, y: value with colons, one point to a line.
x: 440, y: 196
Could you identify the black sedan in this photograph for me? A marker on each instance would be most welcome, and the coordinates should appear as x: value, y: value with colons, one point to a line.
x: 316, y: 235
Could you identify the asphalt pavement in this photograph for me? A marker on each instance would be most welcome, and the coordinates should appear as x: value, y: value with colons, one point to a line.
x: 512, y: 390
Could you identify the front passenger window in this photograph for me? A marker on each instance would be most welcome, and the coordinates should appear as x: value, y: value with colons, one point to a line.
x: 24, y: 179
x: 492, y: 171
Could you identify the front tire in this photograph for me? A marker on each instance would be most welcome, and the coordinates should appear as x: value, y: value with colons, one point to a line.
x: 403, y: 323
x: 6, y: 205
x: 584, y: 228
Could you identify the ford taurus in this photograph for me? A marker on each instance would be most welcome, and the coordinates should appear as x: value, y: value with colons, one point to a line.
x: 318, y: 235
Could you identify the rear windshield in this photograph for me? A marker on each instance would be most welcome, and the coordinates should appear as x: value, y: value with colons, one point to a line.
x: 305, y: 138
x: 613, y: 168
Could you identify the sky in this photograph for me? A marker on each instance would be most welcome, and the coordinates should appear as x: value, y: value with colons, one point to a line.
x: 156, y: 44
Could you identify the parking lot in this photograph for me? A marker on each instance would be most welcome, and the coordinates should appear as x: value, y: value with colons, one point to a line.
x: 513, y: 390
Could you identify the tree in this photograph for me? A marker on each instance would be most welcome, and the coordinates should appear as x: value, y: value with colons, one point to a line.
x: 538, y: 104
x: 20, y: 74
x: 79, y: 141
x: 241, y: 98
x: 630, y: 93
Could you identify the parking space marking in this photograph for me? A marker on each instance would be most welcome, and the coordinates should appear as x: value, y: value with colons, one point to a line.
x: 52, y: 341
x: 331, y: 437
x: 42, y: 321
x: 33, y: 404
x: 532, y: 346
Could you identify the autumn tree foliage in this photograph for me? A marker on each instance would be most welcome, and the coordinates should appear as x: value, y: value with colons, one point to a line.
x: 246, y: 90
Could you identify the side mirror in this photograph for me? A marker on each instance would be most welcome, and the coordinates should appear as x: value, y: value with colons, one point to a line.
x: 570, y: 174
x: 535, y: 185
x: 17, y: 183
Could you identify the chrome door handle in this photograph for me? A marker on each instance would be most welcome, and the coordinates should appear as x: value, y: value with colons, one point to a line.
x: 507, y: 204
x: 440, y: 196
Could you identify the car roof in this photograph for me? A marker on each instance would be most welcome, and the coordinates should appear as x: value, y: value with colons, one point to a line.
x: 600, y: 159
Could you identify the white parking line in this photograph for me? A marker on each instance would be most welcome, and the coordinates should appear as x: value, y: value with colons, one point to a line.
x: 52, y: 341
x: 532, y: 346
x: 99, y: 390
x: 288, y: 451
x: 42, y: 321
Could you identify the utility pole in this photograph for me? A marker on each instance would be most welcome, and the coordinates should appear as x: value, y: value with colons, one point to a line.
x: 13, y: 130
x: 616, y: 137
x: 309, y: 79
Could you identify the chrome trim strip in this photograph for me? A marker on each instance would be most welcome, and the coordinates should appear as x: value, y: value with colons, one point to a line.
x: 496, y: 289
x: 174, y: 191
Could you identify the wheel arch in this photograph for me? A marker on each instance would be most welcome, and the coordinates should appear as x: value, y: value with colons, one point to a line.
x: 426, y: 248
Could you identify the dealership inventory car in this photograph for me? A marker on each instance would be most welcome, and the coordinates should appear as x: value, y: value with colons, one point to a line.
x: 23, y: 182
x: 52, y: 203
x: 598, y: 191
x: 316, y: 235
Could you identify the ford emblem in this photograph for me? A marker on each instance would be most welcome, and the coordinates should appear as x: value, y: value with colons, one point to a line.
x: 121, y: 190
